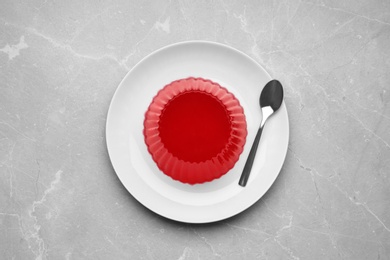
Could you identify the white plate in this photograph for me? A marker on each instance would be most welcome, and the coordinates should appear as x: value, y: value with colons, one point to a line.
x: 201, y: 203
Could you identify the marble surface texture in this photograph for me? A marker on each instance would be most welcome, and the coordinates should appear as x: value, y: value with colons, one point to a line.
x: 60, y: 63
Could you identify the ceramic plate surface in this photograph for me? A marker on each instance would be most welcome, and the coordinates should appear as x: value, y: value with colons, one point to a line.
x: 220, y: 198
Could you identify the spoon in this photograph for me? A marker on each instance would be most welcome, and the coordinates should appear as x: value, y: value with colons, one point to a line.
x: 271, y: 98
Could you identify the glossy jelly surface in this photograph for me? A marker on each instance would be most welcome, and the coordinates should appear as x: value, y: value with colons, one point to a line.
x: 195, y: 130
x: 194, y: 126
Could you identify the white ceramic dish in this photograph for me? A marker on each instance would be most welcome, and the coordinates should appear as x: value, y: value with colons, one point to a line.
x: 201, y: 203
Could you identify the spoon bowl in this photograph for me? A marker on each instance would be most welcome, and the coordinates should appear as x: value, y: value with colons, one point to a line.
x: 272, y: 95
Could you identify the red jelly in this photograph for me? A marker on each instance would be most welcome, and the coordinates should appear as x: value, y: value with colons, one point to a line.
x: 195, y: 130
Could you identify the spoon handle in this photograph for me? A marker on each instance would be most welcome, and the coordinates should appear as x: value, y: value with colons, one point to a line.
x: 249, y: 162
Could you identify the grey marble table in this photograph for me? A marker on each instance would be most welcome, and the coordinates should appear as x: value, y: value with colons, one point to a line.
x: 60, y: 63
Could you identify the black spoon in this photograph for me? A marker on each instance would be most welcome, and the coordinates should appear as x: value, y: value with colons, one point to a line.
x: 270, y: 101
